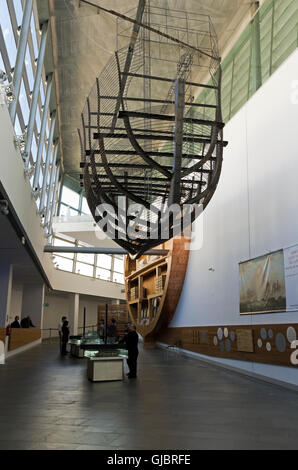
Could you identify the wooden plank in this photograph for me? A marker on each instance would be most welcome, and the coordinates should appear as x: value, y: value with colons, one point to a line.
x: 148, y: 268
x: 271, y: 343
x: 119, y: 312
x: 21, y: 336
x: 173, y: 267
x: 2, y: 335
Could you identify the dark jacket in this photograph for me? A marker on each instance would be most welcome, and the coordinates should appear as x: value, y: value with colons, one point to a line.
x: 112, y: 330
x: 27, y: 323
x: 131, y: 340
x: 15, y: 324
x: 65, y: 333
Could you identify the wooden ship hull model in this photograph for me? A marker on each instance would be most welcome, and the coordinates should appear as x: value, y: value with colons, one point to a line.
x: 145, y: 138
x: 153, y: 285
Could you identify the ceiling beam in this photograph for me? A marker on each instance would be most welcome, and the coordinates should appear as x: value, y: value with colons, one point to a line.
x: 142, y: 178
x: 98, y: 251
x: 151, y: 100
x: 169, y: 80
x: 152, y: 154
x: 164, y: 117
x: 199, y: 139
x: 133, y: 167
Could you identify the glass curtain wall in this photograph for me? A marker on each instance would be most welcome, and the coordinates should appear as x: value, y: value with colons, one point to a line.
x: 73, y: 203
x: 105, y: 267
x: 12, y: 14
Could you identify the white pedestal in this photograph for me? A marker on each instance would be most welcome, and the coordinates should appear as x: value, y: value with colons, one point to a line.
x: 76, y: 351
x: 104, y: 369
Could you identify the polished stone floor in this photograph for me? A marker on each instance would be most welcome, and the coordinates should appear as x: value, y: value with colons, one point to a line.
x: 176, y: 403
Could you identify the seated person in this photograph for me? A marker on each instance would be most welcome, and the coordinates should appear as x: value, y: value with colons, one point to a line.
x: 27, y: 323
x: 16, y: 323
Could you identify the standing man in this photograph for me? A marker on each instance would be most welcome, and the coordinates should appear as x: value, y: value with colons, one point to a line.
x: 64, y: 337
x: 63, y: 319
x: 112, y: 332
x: 101, y: 330
x: 131, y: 340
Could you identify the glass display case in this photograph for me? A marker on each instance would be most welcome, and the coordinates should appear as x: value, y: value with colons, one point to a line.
x: 107, y: 353
x: 91, y: 345
x: 75, y: 346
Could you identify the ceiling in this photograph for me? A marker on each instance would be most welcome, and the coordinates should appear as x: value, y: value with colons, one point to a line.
x: 84, y: 40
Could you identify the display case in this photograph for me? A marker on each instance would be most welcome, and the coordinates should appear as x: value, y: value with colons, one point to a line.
x: 75, y: 346
x: 105, y: 369
x: 105, y: 361
x: 79, y: 345
x: 103, y: 353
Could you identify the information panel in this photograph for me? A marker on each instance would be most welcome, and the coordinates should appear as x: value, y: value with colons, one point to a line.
x: 291, y: 277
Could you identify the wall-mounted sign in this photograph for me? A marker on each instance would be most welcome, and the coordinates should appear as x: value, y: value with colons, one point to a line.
x: 245, y: 341
x: 291, y: 277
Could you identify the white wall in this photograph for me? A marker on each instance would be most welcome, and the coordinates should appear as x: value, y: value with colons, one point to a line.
x: 91, y: 310
x: 253, y: 211
x: 16, y: 301
x: 33, y: 303
x: 59, y: 306
x: 76, y: 283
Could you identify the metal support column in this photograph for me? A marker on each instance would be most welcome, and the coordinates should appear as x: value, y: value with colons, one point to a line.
x: 256, y: 61
x: 147, y: 72
x: 175, y: 192
x: 42, y: 131
x: 81, y: 202
x: 20, y: 59
x: 112, y: 268
x: 47, y: 164
x: 54, y: 201
x: 60, y: 193
x: 50, y: 193
x: 36, y: 89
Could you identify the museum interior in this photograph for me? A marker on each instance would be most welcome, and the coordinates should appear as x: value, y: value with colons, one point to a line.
x: 148, y: 184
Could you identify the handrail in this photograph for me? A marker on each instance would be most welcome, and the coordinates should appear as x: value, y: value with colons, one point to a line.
x: 79, y: 328
x: 56, y: 329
